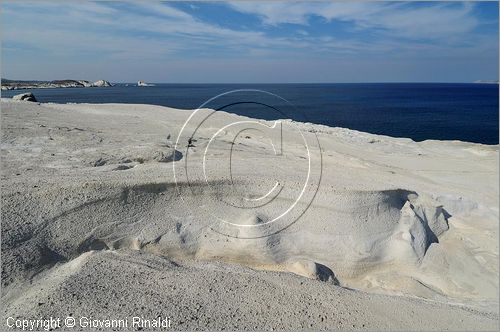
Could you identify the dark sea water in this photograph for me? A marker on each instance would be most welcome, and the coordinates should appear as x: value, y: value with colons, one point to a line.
x: 466, y: 112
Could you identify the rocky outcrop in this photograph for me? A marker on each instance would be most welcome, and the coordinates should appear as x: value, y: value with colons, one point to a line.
x: 86, y: 84
x: 311, y: 270
x: 101, y: 83
x: 25, y: 97
x: 15, y: 85
x: 66, y: 84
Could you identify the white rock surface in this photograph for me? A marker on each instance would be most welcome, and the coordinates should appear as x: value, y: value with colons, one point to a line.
x: 86, y: 84
x: 28, y: 96
x: 90, y: 208
x: 101, y: 83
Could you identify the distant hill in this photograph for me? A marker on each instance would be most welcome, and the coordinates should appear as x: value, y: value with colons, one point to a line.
x: 8, y: 84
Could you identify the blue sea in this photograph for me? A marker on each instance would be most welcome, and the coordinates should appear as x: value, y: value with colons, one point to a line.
x: 466, y: 112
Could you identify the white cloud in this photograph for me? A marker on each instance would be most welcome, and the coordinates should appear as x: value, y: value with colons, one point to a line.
x: 429, y: 20
x: 79, y: 26
x: 135, y: 33
x: 177, y: 30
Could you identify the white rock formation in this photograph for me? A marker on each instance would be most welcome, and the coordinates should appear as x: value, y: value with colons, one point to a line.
x: 91, y: 208
x: 101, y: 83
x: 85, y: 84
x: 25, y: 96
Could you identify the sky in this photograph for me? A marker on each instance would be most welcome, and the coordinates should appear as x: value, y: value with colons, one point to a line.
x: 250, y: 42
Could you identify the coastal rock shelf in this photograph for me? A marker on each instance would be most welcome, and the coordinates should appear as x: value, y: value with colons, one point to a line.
x: 91, y: 208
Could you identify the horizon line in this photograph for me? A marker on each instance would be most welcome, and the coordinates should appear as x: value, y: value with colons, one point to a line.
x: 479, y: 81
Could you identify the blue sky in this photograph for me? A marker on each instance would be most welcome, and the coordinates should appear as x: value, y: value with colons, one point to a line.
x: 225, y: 42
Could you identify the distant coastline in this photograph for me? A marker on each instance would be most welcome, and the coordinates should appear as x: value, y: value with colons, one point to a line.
x: 486, y: 82
x: 21, y: 85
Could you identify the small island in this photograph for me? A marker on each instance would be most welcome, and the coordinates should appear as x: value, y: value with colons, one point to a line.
x: 17, y: 85
x: 142, y: 83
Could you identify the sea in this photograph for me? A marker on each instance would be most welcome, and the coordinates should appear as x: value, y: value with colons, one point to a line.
x: 420, y: 111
